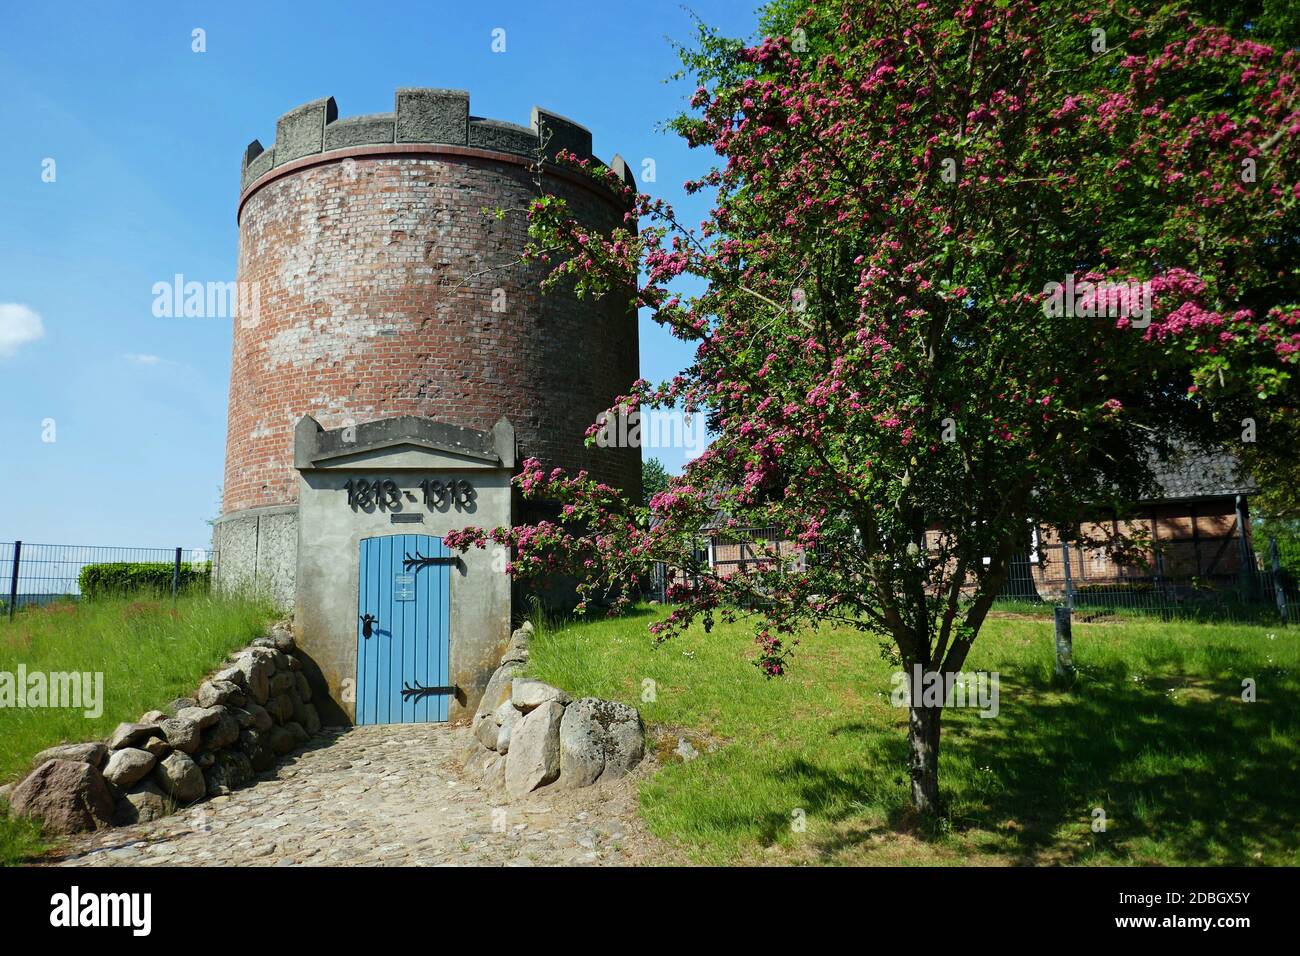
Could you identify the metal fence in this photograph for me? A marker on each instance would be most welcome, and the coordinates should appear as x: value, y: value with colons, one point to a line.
x: 38, y: 574
x: 725, y: 555
x: 1270, y: 595
x: 1267, y: 596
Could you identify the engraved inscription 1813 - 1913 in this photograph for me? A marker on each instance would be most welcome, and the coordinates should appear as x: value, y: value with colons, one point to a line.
x: 385, y: 494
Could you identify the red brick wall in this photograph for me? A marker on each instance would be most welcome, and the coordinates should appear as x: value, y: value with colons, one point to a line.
x: 369, y: 307
x: 1194, y: 540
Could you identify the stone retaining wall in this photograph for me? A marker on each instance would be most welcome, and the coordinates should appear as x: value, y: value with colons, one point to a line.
x: 529, y: 735
x: 242, y: 719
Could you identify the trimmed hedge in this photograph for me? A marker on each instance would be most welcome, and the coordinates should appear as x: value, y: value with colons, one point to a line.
x: 122, y: 577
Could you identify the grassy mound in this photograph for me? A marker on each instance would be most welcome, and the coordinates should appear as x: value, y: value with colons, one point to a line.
x: 146, y: 652
x: 811, y: 768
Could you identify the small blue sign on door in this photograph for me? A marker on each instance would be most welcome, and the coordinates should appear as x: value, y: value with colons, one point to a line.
x: 403, y: 587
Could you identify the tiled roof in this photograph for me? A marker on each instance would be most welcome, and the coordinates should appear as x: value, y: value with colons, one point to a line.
x: 1196, y: 473
x: 1191, y: 473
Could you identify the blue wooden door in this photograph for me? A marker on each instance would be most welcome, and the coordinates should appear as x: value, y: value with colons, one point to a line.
x: 404, y: 602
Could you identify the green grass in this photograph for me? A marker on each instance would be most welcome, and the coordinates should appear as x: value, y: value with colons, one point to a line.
x: 1154, y: 732
x: 147, y: 652
x: 1102, y: 607
x: 20, y: 839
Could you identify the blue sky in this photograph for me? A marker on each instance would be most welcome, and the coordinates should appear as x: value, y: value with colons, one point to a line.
x: 146, y: 137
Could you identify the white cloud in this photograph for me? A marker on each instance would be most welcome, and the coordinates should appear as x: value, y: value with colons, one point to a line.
x: 136, y: 358
x: 18, y: 326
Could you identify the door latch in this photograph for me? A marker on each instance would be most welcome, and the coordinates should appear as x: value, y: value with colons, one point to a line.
x: 421, y: 561
x: 417, y: 691
x: 367, y: 620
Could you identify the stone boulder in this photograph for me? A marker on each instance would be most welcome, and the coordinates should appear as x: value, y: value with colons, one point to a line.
x: 582, y: 745
x: 281, y: 740
x: 266, y: 654
x: 280, y: 707
x: 128, y: 766
x: 243, y: 717
x: 151, y: 716
x: 298, y: 732
x: 505, y: 717
x: 494, y: 773
x: 257, y: 745
x: 132, y: 735
x: 534, y: 758
x: 527, y: 694
x: 205, y: 717
x: 261, y: 718
x: 182, y: 733
x: 486, y: 731
x: 255, y: 671
x: 216, y: 692
x: 221, y: 734
x: 230, y: 771
x: 312, y: 722
x: 626, y: 745
x: 498, y: 689
x: 282, y: 683
x: 231, y: 675
x: 517, y: 650
x: 92, y: 753
x: 156, y: 746
x: 479, y: 759
x: 69, y: 796
x: 141, y: 804
x: 281, y: 638
x: 180, y: 778
x: 599, y: 739
x: 506, y: 711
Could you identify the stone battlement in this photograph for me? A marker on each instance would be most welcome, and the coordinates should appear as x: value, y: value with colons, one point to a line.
x: 420, y: 116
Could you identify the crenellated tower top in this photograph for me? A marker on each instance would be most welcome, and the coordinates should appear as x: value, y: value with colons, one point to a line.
x: 421, y: 116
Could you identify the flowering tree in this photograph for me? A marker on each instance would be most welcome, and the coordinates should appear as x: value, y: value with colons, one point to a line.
x: 967, y: 263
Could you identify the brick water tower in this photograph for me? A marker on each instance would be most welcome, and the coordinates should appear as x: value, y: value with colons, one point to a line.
x: 394, y: 363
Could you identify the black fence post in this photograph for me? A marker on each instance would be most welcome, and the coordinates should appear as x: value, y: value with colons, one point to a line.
x: 13, y: 580
x: 1069, y: 582
x: 176, y: 576
x: 1064, y: 643
x: 1279, y: 591
x: 1245, y: 556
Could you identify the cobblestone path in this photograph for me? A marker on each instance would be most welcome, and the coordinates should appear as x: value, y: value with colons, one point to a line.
x: 381, y: 796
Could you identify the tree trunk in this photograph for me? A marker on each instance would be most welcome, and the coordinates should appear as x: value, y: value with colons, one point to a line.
x: 923, y: 757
